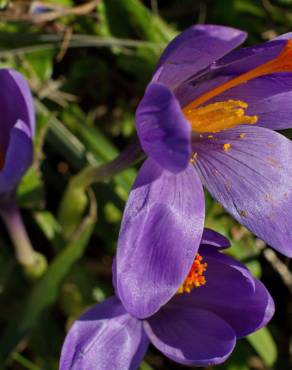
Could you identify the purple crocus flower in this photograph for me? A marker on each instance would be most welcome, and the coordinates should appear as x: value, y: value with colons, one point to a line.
x: 218, y: 302
x: 210, y: 114
x: 17, y: 124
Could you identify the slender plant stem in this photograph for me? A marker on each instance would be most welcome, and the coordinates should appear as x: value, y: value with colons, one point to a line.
x: 70, y: 212
x: 132, y: 154
x: 25, y: 254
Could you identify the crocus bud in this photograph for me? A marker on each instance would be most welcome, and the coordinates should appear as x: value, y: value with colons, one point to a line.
x: 17, y: 124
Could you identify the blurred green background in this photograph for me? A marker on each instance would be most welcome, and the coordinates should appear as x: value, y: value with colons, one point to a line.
x: 88, y: 63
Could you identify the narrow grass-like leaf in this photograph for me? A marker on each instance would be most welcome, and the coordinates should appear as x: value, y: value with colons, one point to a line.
x: 45, y: 292
x: 264, y: 344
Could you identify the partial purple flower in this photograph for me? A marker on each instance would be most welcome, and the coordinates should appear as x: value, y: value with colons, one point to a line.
x: 216, y: 303
x: 160, y: 233
x: 41, y: 7
x: 17, y: 130
x: 216, y: 110
x: 17, y: 125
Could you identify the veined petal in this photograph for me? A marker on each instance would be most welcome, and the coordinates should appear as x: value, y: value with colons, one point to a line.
x: 274, y: 111
x: 160, y: 235
x: 268, y: 97
x: 163, y: 131
x: 249, y: 171
x: 231, y: 293
x: 190, y: 335
x: 193, y: 50
x: 105, y: 337
x: 243, y: 59
x: 233, y: 64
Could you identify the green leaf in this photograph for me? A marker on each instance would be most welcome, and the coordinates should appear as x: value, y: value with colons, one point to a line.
x: 48, y: 224
x: 30, y: 193
x: 255, y: 268
x: 40, y: 62
x: 45, y: 292
x: 238, y: 359
x: 61, y: 2
x: 17, y: 357
x: 264, y: 344
x: 127, y: 16
x: 65, y: 143
x: 145, y: 366
x: 3, y: 4
x: 249, y: 7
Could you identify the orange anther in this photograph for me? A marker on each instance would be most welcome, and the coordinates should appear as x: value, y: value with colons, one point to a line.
x: 195, y: 276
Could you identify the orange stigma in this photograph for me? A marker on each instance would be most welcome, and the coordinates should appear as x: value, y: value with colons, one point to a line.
x: 282, y: 63
x: 195, y: 276
x: 219, y: 116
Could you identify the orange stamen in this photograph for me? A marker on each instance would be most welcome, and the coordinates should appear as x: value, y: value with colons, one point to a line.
x: 219, y: 116
x: 195, y: 276
x: 282, y: 63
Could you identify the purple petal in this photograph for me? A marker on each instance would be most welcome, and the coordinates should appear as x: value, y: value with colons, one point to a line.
x: 163, y: 131
x: 193, y: 50
x: 232, y: 269
x: 233, y: 64
x: 269, y: 97
x: 226, y: 271
x: 17, y: 128
x: 160, y: 235
x: 252, y: 180
x: 211, y: 237
x: 26, y: 112
x: 18, y: 157
x: 243, y: 59
x: 114, y: 275
x: 190, y: 335
x: 285, y: 36
x: 105, y: 337
x: 274, y: 111
x: 228, y: 294
x: 15, y: 104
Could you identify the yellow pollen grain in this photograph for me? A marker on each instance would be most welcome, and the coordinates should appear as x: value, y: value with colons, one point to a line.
x: 194, y: 158
x: 242, y: 136
x: 195, y: 277
x: 226, y: 147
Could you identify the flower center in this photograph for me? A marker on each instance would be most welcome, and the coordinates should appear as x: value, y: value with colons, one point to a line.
x: 231, y: 113
x: 219, y: 116
x: 195, y: 276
